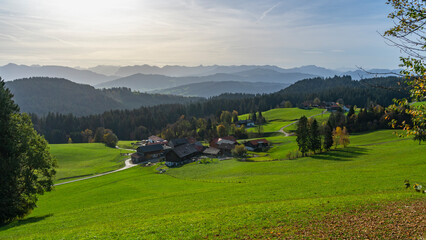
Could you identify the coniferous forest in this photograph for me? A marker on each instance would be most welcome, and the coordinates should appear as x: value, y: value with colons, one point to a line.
x: 138, y: 123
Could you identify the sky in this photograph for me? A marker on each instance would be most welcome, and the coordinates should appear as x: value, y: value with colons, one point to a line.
x: 289, y: 33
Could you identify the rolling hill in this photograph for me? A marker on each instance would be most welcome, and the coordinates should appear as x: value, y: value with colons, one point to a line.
x: 234, y: 199
x: 210, y: 89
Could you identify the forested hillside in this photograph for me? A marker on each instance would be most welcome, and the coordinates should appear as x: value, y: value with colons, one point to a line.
x: 41, y: 95
x: 147, y: 120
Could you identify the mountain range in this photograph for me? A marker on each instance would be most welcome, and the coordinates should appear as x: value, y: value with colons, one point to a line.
x: 210, y: 89
x: 148, y: 78
x: 144, y: 82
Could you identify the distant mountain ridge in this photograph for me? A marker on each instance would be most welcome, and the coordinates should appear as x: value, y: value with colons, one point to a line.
x: 12, y: 71
x: 144, y: 82
x: 210, y: 89
x: 41, y: 95
x: 168, y: 76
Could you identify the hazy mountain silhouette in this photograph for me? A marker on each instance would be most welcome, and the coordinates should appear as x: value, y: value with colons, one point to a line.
x: 12, y: 71
x: 144, y: 82
x: 210, y: 89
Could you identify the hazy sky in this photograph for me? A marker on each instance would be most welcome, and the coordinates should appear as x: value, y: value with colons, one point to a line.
x: 288, y: 33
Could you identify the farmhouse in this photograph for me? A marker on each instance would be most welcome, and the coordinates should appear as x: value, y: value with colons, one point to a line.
x: 156, y: 139
x: 177, y: 142
x: 246, y: 123
x: 211, y: 151
x: 225, y: 144
x: 257, y: 145
x: 180, y: 155
x: 148, y: 152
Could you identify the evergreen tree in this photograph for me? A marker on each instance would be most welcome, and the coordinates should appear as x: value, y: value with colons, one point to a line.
x: 302, y: 135
x: 314, y: 136
x: 328, y: 136
x: 254, y: 117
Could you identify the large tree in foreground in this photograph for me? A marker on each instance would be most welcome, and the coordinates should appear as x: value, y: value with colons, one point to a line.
x: 26, y: 166
x: 409, y: 35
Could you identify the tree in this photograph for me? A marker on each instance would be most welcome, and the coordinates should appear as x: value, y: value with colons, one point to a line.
x: 314, y: 137
x: 26, y: 166
x: 260, y: 118
x: 99, y: 134
x: 302, y: 135
x: 317, y: 101
x: 408, y: 34
x: 328, y: 136
x: 234, y: 116
x: 420, y: 137
x: 226, y: 117
x: 221, y: 130
x: 287, y: 104
x: 110, y: 139
x: 337, y: 132
x: 87, y: 135
x: 344, y: 137
x: 259, y: 129
x: 239, y: 151
x: 340, y: 137
x: 254, y: 117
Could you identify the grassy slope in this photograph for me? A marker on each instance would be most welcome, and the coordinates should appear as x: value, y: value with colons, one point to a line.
x: 229, y: 199
x: 126, y: 144
x: 281, y: 117
x: 85, y: 159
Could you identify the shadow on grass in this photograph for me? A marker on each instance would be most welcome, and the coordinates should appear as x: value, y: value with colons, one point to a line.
x: 344, y: 154
x: 24, y: 222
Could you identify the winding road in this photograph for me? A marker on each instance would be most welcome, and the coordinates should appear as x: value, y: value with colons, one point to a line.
x: 128, y: 164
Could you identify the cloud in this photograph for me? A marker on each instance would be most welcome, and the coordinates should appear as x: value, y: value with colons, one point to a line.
x: 265, y: 13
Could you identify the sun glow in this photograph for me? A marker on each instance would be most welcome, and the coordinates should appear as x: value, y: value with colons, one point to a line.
x: 89, y: 13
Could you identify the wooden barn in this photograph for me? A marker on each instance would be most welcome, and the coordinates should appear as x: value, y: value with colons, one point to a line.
x: 148, y: 152
x: 181, y: 155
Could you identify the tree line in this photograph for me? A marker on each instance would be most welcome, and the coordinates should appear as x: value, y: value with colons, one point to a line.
x: 138, y: 123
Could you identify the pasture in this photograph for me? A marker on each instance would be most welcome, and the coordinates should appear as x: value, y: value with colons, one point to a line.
x: 229, y: 199
x: 280, y: 117
x: 82, y: 159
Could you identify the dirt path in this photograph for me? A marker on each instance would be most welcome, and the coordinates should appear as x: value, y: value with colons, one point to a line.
x: 128, y: 165
x: 288, y: 134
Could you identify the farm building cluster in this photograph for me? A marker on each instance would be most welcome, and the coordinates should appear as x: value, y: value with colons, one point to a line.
x: 177, y: 152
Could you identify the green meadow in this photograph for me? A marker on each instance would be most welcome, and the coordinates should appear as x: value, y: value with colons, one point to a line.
x: 230, y: 198
x: 126, y: 144
x: 82, y: 159
x: 280, y: 117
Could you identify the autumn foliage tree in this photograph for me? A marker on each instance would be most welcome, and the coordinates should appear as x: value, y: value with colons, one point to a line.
x: 409, y: 35
x: 340, y: 137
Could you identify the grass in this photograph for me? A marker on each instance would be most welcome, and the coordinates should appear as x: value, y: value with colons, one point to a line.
x: 80, y: 159
x: 280, y: 117
x: 126, y: 144
x: 229, y: 199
